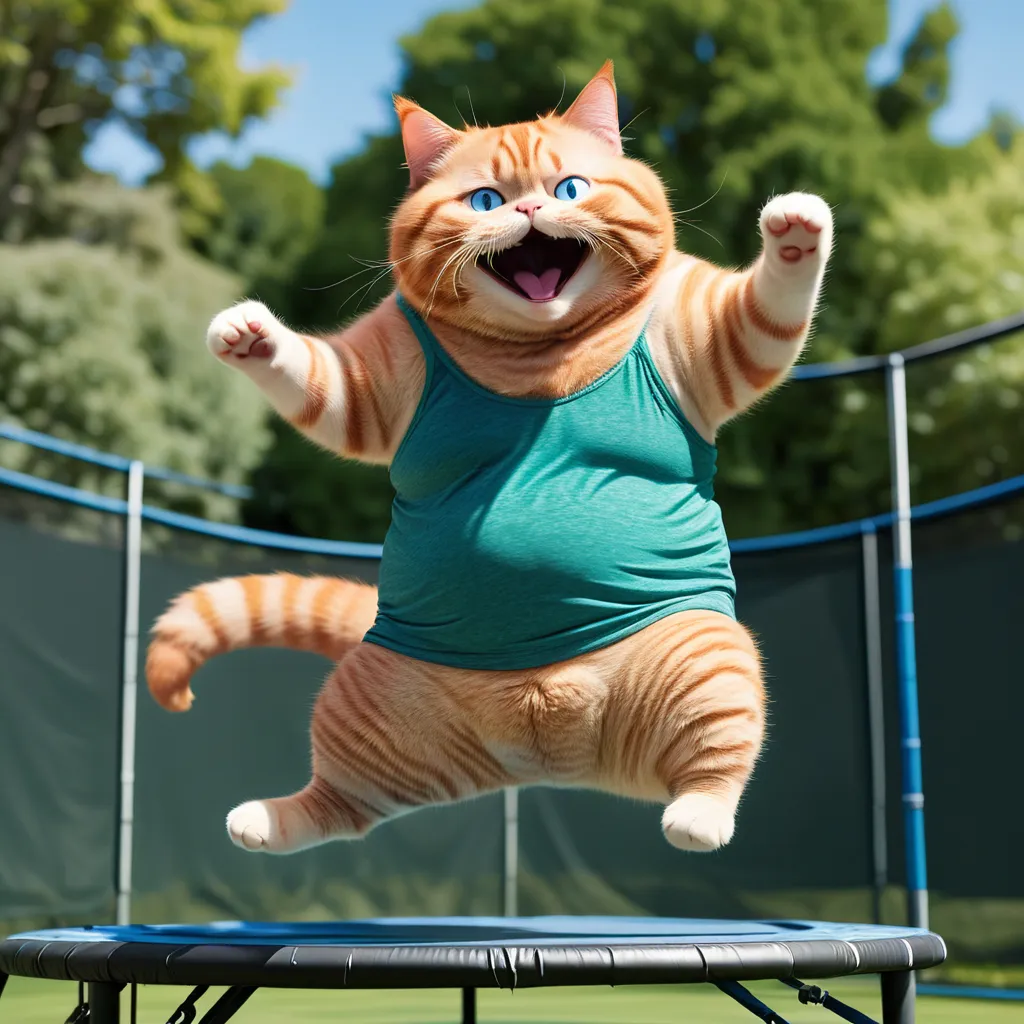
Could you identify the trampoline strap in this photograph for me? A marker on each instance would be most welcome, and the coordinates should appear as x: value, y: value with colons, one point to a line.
x: 228, y: 1005
x: 186, y: 1013
x: 80, y: 1014
x: 820, y: 997
x: 750, y: 1002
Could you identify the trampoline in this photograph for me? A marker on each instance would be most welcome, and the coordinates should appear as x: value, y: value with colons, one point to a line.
x: 469, y: 953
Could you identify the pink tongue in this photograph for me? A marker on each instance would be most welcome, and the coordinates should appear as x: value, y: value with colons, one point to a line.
x: 542, y: 287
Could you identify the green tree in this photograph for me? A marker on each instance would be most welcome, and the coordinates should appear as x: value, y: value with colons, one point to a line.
x: 731, y: 101
x: 941, y: 264
x: 268, y: 217
x: 167, y: 70
x: 300, y: 489
x: 922, y: 87
x: 101, y: 327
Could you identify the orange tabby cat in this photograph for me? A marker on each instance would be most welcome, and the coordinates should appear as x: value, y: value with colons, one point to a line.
x: 535, y: 255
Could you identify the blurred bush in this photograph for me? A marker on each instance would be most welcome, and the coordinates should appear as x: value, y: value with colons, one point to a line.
x: 101, y: 328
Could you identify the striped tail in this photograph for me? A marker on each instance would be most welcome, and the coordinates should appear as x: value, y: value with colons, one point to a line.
x: 320, y: 614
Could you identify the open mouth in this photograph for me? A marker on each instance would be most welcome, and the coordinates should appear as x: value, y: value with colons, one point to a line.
x: 538, y: 267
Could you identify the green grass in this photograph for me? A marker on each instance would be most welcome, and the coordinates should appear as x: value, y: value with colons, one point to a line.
x: 46, y: 1002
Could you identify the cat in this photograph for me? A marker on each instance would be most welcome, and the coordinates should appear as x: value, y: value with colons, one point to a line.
x: 567, y: 623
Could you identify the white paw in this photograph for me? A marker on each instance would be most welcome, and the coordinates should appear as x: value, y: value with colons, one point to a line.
x: 253, y: 826
x: 797, y: 227
x: 248, y: 329
x: 698, y: 822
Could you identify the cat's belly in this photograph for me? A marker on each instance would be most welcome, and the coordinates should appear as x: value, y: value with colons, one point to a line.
x: 545, y: 573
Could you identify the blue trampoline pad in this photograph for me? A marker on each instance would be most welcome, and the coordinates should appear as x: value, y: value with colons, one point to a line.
x: 472, y: 931
x: 467, y: 952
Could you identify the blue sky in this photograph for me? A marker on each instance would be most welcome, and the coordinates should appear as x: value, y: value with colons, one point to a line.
x: 345, y: 60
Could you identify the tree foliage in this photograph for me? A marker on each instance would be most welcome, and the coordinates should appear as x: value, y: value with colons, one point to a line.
x: 102, y: 304
x: 942, y: 263
x: 167, y: 70
x: 268, y: 215
x: 732, y: 101
x: 101, y: 327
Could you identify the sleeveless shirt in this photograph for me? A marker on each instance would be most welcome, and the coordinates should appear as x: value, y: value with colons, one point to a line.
x: 528, y: 531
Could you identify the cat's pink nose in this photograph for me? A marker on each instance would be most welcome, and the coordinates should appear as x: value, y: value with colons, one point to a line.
x: 529, y: 207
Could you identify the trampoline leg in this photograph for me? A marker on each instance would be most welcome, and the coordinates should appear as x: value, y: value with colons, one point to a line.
x: 469, y: 1006
x: 104, y: 1002
x: 228, y: 1005
x: 898, y: 991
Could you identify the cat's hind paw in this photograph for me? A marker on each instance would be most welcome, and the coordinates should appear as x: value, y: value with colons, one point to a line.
x: 254, y: 826
x: 698, y: 822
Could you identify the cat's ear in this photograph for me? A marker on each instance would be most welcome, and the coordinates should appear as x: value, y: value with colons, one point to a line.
x: 596, y: 109
x: 426, y: 139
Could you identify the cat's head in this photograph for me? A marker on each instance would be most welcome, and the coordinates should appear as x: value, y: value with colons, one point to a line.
x: 529, y: 230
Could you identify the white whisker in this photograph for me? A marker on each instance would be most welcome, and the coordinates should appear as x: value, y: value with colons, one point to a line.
x: 694, y: 224
x: 433, y: 291
x: 387, y: 266
x: 598, y: 240
x: 709, y: 198
x: 370, y: 265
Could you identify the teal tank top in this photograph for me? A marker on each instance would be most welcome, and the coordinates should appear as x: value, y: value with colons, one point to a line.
x: 528, y: 531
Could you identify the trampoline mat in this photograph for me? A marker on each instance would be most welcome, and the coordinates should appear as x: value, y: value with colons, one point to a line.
x: 467, y: 952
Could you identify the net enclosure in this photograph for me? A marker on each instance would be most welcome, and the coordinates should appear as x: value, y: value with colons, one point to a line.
x: 841, y: 842
x: 575, y: 852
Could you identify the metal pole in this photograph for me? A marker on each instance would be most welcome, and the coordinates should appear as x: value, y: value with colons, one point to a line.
x: 511, y: 886
x: 913, y: 791
x: 899, y: 991
x: 105, y: 1002
x: 876, y: 714
x: 469, y: 1006
x: 129, y: 686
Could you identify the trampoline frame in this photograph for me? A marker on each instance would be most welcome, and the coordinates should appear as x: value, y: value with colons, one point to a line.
x: 472, y: 954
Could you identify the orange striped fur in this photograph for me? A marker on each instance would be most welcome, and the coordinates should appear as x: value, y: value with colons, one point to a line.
x: 674, y: 713
x: 319, y: 614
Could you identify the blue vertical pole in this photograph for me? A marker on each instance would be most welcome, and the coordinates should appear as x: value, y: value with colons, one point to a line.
x: 910, y: 733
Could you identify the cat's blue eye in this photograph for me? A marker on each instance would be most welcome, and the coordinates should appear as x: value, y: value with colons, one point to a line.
x: 483, y: 200
x: 571, y: 189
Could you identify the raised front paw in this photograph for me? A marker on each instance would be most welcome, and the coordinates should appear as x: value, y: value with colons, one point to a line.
x: 248, y: 329
x: 797, y: 227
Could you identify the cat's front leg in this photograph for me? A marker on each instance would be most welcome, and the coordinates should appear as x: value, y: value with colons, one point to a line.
x: 733, y: 336
x: 796, y: 232
x: 301, y: 376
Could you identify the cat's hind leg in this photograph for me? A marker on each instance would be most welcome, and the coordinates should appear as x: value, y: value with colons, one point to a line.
x: 690, y: 724
x: 389, y: 734
x: 314, y: 815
